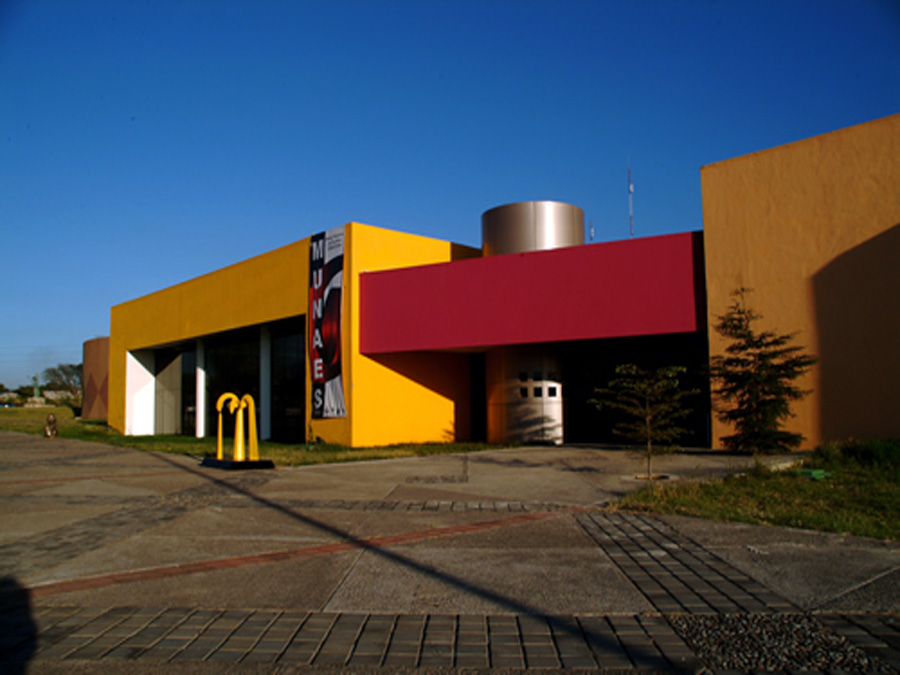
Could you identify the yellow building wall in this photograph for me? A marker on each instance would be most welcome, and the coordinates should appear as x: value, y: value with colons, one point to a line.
x: 402, y: 397
x: 265, y: 288
x: 813, y: 228
x: 392, y: 399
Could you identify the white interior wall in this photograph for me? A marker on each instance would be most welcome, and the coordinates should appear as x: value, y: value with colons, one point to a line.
x: 200, y: 407
x: 140, y: 393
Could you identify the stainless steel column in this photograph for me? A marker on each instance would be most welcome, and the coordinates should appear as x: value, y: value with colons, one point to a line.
x: 524, y: 396
x: 531, y: 226
x: 524, y: 385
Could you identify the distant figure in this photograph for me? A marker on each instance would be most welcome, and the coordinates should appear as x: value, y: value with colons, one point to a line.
x: 50, y: 430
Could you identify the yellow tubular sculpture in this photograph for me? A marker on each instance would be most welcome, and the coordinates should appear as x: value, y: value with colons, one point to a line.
x: 246, y: 454
x: 233, y: 401
x: 240, y: 455
x: 253, y: 449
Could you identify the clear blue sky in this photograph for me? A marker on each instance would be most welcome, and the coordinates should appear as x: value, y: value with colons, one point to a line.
x: 143, y: 143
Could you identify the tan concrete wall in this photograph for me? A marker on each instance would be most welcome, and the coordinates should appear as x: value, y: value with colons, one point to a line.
x: 813, y: 228
x: 95, y: 379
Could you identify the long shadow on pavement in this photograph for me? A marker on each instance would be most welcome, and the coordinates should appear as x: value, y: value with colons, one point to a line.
x: 563, y: 624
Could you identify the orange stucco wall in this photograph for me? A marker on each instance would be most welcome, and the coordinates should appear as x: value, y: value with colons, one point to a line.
x: 813, y: 228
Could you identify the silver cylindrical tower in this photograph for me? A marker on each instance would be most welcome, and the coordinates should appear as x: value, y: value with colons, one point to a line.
x: 531, y: 226
x: 524, y: 384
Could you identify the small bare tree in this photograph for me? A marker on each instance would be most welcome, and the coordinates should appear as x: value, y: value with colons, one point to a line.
x: 64, y: 377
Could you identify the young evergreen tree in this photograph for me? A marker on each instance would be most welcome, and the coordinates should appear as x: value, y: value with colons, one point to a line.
x: 654, y: 402
x: 755, y: 379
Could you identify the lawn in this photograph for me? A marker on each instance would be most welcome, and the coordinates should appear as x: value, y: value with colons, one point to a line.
x: 32, y: 420
x: 859, y: 493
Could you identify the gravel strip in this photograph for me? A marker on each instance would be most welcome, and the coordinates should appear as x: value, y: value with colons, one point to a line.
x: 771, y: 642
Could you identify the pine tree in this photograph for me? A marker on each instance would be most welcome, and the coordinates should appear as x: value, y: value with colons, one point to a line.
x: 653, y: 400
x: 755, y: 379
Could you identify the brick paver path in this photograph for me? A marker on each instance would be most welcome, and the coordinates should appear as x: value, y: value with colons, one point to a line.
x: 342, y: 639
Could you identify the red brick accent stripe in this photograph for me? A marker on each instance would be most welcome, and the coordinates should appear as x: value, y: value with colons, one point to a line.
x: 182, y: 569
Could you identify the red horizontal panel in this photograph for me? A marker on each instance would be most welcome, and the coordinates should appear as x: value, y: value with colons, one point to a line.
x: 634, y: 287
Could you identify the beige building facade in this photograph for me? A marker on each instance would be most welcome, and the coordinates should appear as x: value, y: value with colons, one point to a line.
x: 813, y: 228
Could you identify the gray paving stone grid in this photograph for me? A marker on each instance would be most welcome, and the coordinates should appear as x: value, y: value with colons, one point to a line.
x: 675, y: 573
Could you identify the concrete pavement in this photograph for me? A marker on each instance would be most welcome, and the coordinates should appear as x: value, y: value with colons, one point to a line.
x: 499, y: 559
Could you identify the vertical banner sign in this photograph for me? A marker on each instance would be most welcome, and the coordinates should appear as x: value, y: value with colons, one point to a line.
x: 326, y: 271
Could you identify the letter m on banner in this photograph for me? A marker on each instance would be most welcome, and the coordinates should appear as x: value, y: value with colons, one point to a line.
x: 326, y: 271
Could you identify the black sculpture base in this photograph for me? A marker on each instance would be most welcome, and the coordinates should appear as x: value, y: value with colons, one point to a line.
x: 232, y: 465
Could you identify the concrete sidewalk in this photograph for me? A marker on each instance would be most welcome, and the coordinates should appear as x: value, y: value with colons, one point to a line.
x: 498, y: 559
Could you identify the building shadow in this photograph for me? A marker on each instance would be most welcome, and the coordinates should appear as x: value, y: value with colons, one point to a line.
x: 18, y: 632
x: 856, y: 297
x: 589, y: 364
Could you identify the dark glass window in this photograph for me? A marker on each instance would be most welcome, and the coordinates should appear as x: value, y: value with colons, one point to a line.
x: 189, y: 392
x: 232, y: 365
x: 288, y: 380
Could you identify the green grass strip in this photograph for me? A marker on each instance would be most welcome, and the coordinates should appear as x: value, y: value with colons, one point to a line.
x: 32, y: 420
x: 855, y: 498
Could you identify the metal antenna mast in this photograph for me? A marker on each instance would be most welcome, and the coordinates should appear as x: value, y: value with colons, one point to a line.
x: 630, y: 203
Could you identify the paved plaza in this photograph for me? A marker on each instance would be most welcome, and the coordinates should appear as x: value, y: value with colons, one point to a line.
x: 117, y: 560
